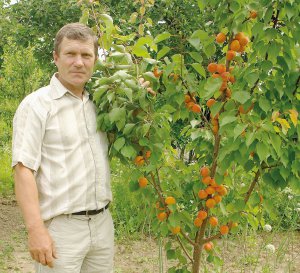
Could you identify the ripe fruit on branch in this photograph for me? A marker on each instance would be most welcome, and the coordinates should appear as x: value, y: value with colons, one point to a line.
x: 187, y: 98
x: 210, y: 203
x: 217, y: 198
x: 198, y: 222
x: 210, y: 190
x: 196, y: 108
x: 147, y: 154
x: 235, y: 45
x: 253, y: 14
x: 139, y: 160
x: 221, y: 37
x: 170, y: 200
x: 202, y: 214
x: 210, y: 102
x: 175, y: 230
x: 221, y: 190
x: 221, y: 68
x: 202, y: 194
x: 206, y: 180
x: 208, y: 246
x: 213, y: 221
x: 224, y: 229
x: 162, y: 216
x: 143, y: 182
x: 212, y: 67
x: 230, y: 55
x: 204, y: 171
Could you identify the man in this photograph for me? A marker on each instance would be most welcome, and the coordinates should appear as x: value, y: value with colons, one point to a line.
x: 62, y: 176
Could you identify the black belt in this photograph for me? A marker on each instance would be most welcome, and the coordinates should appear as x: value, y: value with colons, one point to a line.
x: 91, y: 212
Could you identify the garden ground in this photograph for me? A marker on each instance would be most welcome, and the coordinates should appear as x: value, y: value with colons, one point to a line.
x: 243, y: 254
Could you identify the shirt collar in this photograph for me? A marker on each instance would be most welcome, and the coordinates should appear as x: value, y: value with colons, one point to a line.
x: 58, y: 90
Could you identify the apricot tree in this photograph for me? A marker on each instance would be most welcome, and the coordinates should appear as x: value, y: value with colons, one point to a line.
x: 231, y: 96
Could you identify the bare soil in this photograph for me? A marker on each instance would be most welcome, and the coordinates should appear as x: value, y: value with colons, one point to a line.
x: 243, y: 254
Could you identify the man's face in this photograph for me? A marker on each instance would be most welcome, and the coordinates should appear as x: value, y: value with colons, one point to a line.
x: 75, y: 62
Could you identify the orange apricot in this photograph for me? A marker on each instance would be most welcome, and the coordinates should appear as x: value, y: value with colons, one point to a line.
x: 253, y: 14
x: 210, y: 190
x: 208, y: 246
x: 139, y: 160
x: 217, y: 198
x: 210, y: 103
x: 204, y: 171
x: 198, y: 222
x: 143, y: 182
x: 210, y: 203
x: 202, y: 194
x: 224, y: 229
x: 221, y: 68
x: 206, y: 180
x: 202, y: 214
x: 175, y: 230
x: 212, y: 67
x: 235, y: 45
x: 170, y: 200
x: 162, y: 216
x: 221, y: 37
x: 230, y: 55
x: 196, y: 108
x: 213, y: 221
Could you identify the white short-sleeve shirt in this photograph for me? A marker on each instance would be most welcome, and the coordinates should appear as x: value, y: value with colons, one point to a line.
x: 55, y: 134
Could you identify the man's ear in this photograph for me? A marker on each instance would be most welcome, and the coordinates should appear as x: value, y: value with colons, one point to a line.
x: 55, y: 56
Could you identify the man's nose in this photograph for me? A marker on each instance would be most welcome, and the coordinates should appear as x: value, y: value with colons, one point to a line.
x: 78, y: 61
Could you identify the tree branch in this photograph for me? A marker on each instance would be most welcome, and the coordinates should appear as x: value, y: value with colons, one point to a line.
x: 184, y: 249
x: 253, y: 184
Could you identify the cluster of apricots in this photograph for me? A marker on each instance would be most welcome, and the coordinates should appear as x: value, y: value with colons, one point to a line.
x: 219, y: 71
x: 165, y: 212
x: 213, y: 193
x: 140, y: 160
x: 191, y: 104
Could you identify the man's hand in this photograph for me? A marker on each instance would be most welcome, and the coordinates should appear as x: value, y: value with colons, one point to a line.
x: 41, y: 246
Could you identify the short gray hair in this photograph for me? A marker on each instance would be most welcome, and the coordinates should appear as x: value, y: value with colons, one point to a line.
x: 75, y: 31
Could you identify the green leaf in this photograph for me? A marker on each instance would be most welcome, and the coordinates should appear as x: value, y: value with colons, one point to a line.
x: 108, y: 22
x: 211, y: 86
x: 262, y: 151
x: 140, y: 51
x: 226, y: 120
x: 119, y: 143
x: 199, y: 68
x: 162, y: 36
x: 239, y: 128
x: 128, y: 151
x: 251, y: 78
x: 209, y: 50
x: 196, y: 56
x: 128, y: 128
x: 128, y: 93
x: 165, y: 50
x: 275, y: 140
x: 241, y: 96
x: 216, y: 108
x: 264, y: 104
x: 116, y: 114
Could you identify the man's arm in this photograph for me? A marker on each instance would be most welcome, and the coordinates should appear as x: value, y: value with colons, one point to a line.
x: 40, y: 244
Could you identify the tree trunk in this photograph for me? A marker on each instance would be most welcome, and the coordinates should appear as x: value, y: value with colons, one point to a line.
x: 196, y: 258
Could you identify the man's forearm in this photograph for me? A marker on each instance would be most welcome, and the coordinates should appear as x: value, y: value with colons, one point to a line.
x: 27, y: 196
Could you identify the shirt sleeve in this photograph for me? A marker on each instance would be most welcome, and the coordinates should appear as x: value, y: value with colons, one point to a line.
x: 28, y: 132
